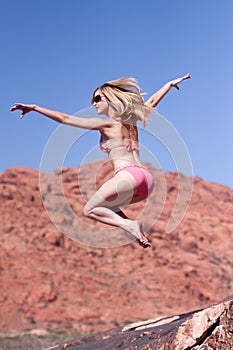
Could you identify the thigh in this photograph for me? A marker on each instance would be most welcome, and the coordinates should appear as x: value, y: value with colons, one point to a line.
x: 116, y: 192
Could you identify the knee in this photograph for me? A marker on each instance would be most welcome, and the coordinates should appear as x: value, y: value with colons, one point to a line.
x: 87, y: 210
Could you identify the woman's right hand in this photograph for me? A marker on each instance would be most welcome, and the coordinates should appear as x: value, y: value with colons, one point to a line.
x: 175, y: 82
x: 22, y: 107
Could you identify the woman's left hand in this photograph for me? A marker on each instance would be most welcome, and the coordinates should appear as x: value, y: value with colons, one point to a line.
x: 174, y: 83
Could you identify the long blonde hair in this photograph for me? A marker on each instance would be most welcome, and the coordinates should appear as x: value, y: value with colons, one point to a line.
x: 125, y: 99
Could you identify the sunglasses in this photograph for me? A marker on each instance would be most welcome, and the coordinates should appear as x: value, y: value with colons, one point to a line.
x: 98, y: 98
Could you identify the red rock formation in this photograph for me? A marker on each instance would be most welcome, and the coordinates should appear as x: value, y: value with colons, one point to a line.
x: 48, y: 281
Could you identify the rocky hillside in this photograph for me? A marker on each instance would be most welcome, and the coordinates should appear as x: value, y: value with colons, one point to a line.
x: 92, y: 277
x: 210, y: 328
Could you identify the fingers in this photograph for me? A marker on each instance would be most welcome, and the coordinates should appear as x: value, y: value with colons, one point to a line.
x: 19, y: 106
x: 13, y: 108
x: 187, y: 76
x: 16, y: 106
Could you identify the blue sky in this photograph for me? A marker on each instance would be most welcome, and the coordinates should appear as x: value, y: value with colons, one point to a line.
x: 55, y: 52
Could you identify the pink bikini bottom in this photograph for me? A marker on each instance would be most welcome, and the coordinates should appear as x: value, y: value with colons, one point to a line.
x: 143, y: 178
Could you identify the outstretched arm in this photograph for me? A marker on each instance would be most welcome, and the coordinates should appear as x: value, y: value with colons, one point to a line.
x: 60, y: 117
x: 159, y: 95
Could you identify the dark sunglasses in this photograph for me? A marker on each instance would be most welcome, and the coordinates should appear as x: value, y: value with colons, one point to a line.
x: 97, y: 98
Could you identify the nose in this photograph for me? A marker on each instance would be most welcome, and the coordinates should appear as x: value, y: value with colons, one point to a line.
x: 95, y: 103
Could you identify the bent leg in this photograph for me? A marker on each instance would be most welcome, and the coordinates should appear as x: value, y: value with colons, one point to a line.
x: 104, y: 204
x: 115, y: 193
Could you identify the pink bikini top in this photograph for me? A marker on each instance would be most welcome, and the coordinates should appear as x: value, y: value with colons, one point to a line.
x: 106, y: 146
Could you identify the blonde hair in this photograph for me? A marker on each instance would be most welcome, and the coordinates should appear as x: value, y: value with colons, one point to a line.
x: 125, y: 99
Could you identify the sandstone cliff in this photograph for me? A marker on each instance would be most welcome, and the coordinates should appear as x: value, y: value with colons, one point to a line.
x: 49, y: 281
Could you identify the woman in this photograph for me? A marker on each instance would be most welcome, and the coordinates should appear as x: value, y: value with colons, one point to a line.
x: 121, y: 101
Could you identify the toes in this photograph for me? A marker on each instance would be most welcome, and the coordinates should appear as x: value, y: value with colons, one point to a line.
x: 144, y: 242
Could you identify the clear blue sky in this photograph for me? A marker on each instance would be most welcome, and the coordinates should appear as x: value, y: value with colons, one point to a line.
x: 55, y: 52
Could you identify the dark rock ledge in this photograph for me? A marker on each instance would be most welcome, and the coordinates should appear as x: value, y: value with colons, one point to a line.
x: 207, y: 329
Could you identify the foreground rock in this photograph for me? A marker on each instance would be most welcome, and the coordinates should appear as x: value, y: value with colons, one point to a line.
x: 206, y: 329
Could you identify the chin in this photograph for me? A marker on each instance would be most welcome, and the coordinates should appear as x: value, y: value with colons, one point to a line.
x: 100, y: 112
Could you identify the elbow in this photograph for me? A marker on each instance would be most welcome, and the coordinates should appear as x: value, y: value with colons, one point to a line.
x: 65, y: 119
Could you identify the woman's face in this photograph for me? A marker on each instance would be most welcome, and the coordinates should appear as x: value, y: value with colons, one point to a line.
x: 100, y: 103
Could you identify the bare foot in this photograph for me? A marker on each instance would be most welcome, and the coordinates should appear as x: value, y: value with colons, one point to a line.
x: 135, y: 229
x: 144, y: 242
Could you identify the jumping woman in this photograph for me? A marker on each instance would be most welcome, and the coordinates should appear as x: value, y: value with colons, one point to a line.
x: 122, y: 102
